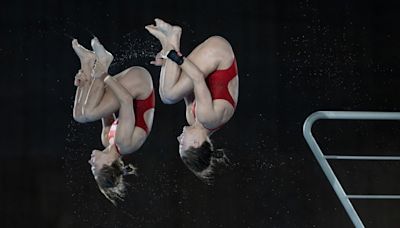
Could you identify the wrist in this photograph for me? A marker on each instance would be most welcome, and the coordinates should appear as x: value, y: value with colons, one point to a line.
x: 175, y: 57
x: 101, y: 76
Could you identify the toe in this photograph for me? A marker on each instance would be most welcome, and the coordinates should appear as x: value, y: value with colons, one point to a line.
x: 74, y: 42
x: 96, y: 45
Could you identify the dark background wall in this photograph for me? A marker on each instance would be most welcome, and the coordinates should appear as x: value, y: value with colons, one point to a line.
x: 294, y: 58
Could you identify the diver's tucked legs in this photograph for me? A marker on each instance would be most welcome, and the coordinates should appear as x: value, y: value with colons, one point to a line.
x: 169, y: 37
x: 99, y: 72
x: 82, y: 79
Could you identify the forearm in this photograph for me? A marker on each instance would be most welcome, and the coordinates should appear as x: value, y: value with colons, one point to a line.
x: 126, y: 117
x: 204, y: 102
x: 191, y: 70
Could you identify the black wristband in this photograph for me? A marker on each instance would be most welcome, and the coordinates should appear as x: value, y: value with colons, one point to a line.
x: 173, y: 55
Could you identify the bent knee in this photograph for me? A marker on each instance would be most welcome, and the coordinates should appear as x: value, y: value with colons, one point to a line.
x: 216, y: 39
x: 217, y: 47
x: 217, y: 42
x: 136, y: 79
x: 136, y: 71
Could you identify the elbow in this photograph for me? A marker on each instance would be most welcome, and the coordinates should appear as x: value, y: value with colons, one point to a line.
x: 123, y: 143
x: 120, y: 141
x: 129, y: 144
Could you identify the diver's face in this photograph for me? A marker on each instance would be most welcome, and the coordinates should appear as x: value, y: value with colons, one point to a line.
x: 191, y: 137
x: 100, y: 158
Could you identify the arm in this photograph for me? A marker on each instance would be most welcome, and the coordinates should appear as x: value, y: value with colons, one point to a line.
x: 127, y: 136
x: 206, y: 111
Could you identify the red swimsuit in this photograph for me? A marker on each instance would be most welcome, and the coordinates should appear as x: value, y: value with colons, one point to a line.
x: 217, y: 83
x: 140, y: 107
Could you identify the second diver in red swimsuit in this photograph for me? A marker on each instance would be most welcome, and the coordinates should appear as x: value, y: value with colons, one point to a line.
x: 208, y: 81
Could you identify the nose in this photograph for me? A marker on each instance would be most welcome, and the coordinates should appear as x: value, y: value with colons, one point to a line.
x: 93, y: 169
x: 181, y: 137
x: 92, y: 157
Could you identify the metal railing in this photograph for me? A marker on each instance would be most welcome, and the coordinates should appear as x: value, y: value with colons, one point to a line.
x: 322, y: 158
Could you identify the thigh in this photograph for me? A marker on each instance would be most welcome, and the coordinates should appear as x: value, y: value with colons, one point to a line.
x: 107, y: 106
x: 135, y: 79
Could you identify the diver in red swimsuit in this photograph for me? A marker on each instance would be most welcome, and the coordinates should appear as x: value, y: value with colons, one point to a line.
x: 207, y: 80
x: 99, y: 96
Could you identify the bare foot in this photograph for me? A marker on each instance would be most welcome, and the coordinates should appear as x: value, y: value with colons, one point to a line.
x: 103, y: 58
x: 102, y: 55
x: 175, y: 37
x: 155, y: 31
x: 86, y: 57
x: 166, y: 33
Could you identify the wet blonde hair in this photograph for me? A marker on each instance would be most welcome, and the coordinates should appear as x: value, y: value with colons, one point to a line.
x: 110, y: 180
